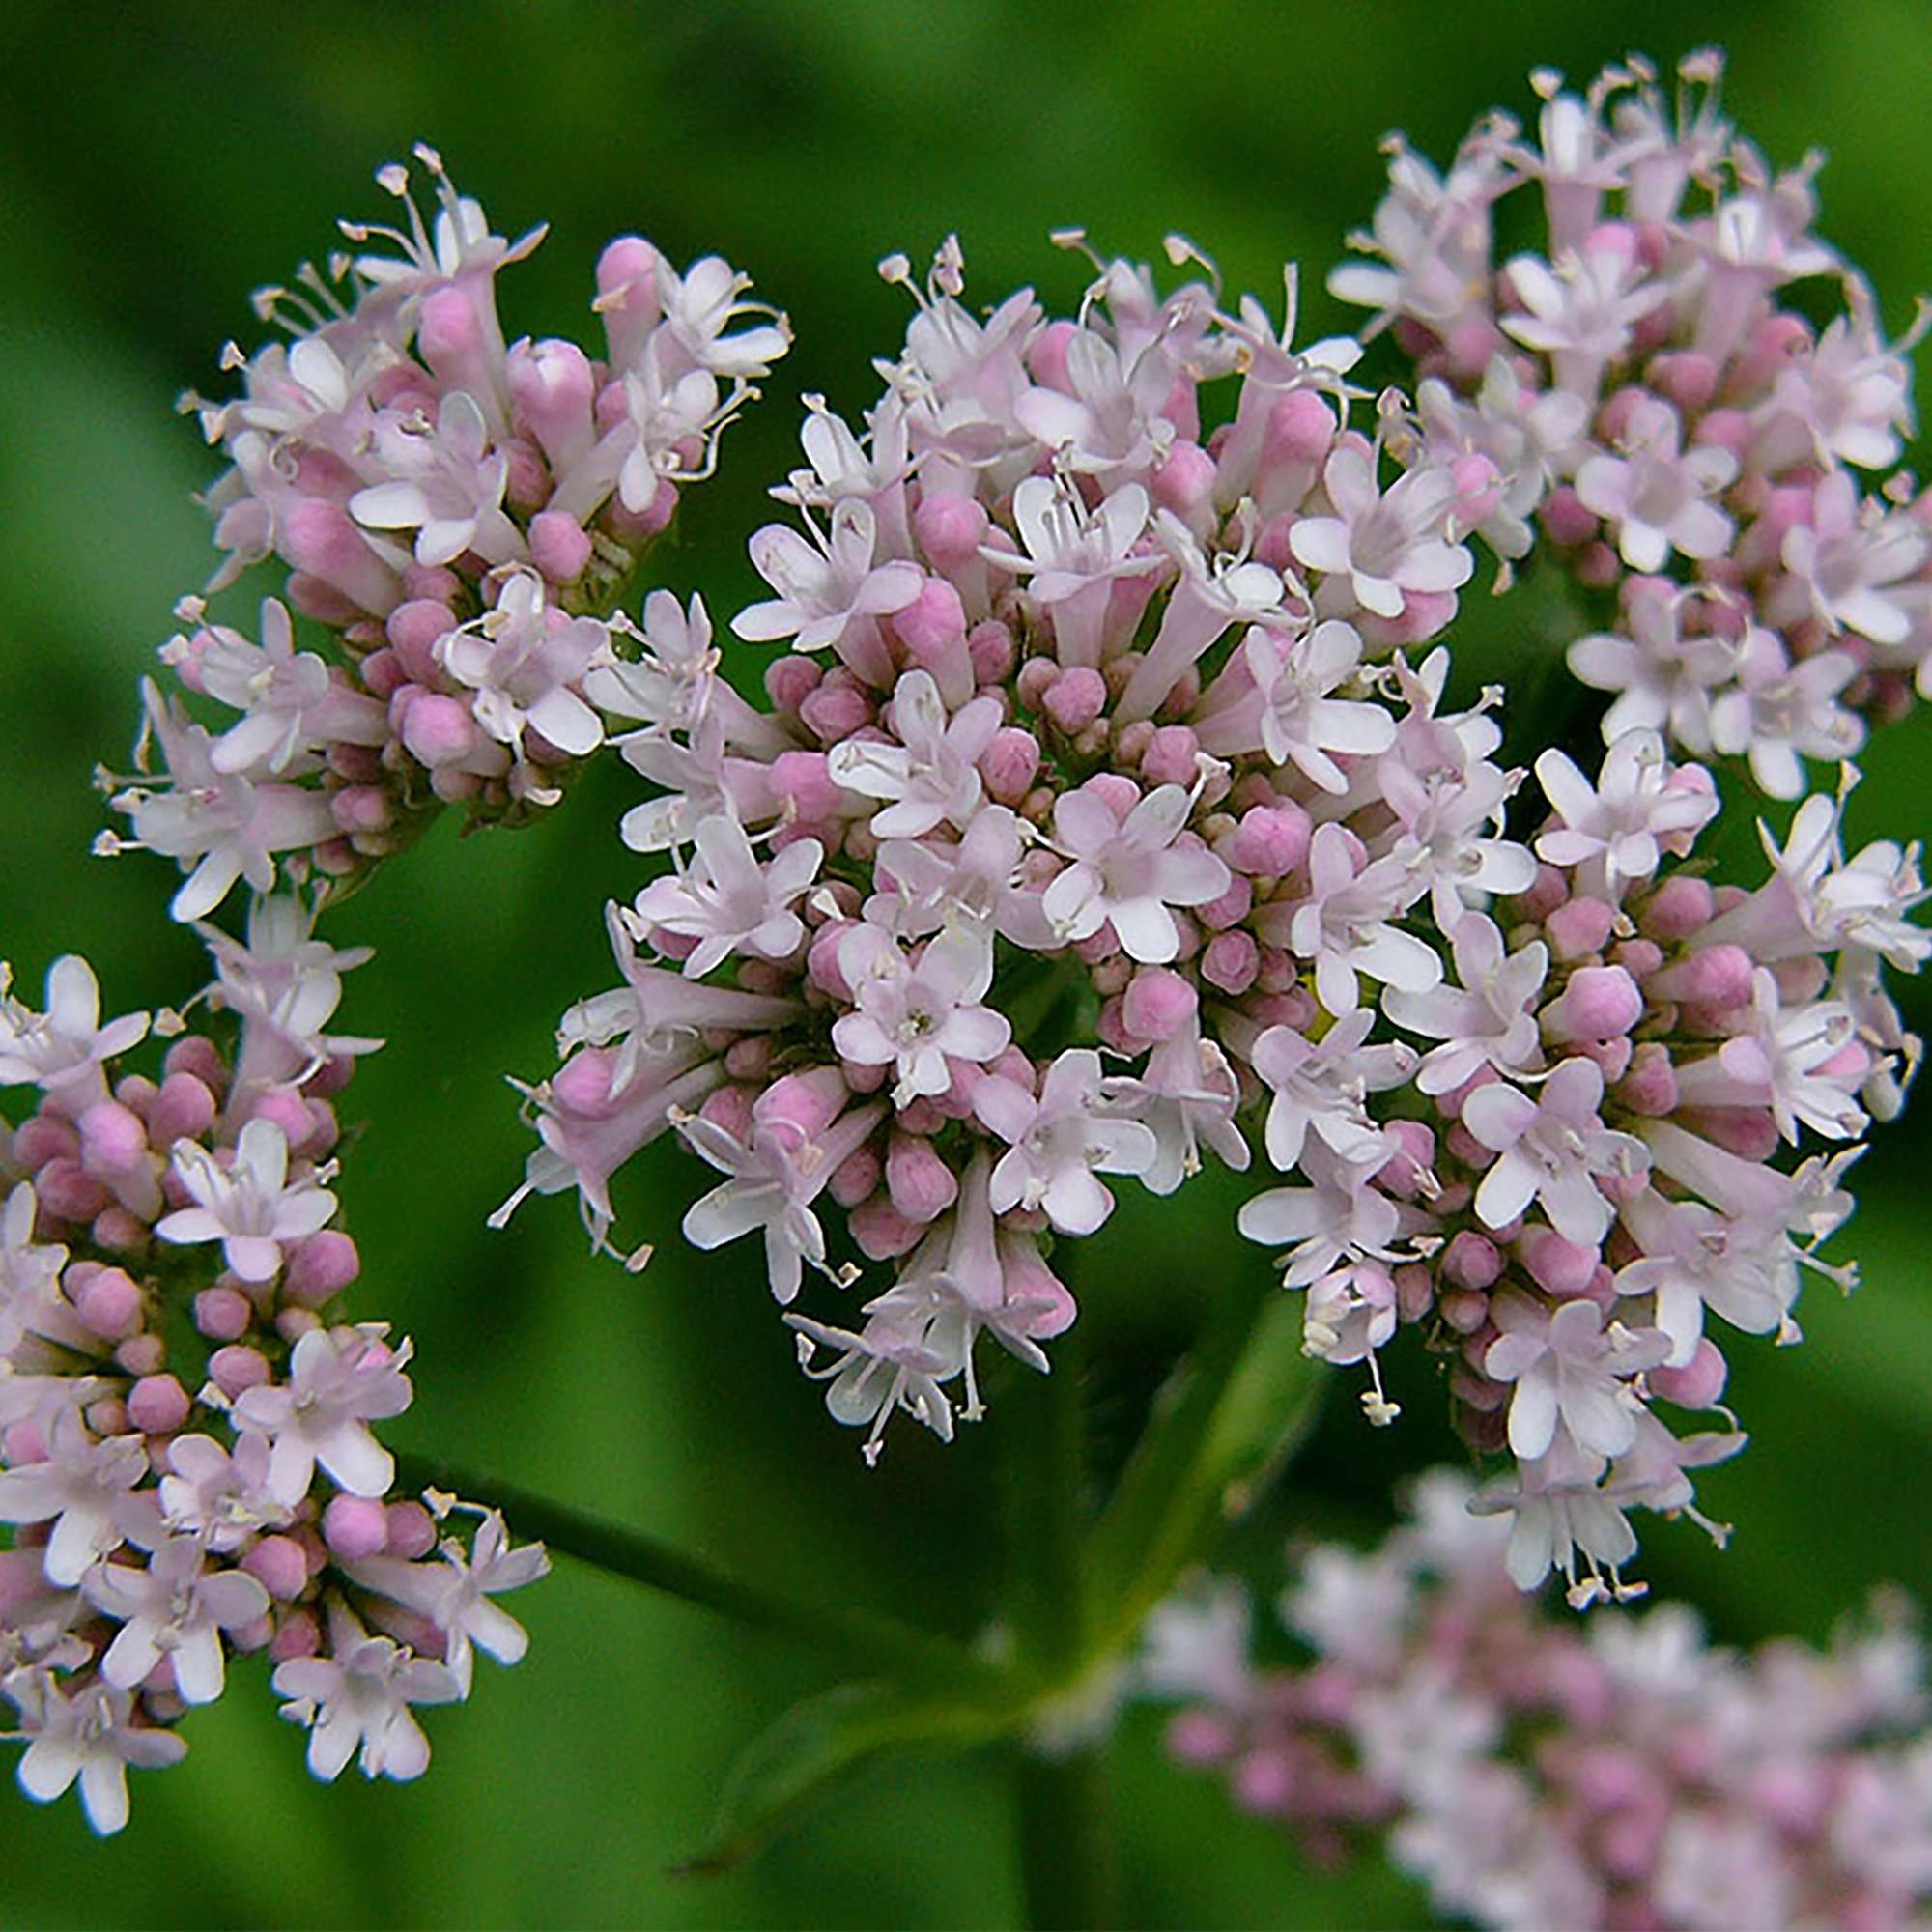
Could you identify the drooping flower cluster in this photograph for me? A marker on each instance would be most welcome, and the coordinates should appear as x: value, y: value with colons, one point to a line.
x: 1636, y: 395
x: 1532, y: 1772
x: 460, y: 515
x: 186, y: 1441
x: 1121, y: 825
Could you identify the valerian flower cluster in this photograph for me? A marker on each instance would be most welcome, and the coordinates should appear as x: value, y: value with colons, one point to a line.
x: 1637, y: 396
x: 1111, y: 811
x: 1532, y: 1772
x: 186, y: 1441
x: 460, y: 516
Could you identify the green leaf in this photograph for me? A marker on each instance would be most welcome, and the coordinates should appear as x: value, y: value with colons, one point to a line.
x: 819, y: 1743
x: 1226, y: 1420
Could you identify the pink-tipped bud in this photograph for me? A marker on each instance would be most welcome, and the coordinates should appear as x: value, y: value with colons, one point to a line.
x: 881, y: 1230
x: 113, y: 1142
x: 1270, y: 840
x: 414, y: 631
x: 559, y: 546
x: 1300, y: 431
x: 1185, y: 482
x: 279, y: 1565
x: 436, y: 730
x: 835, y: 710
x: 1599, y: 1002
x: 1047, y: 355
x: 1680, y: 908
x: 1649, y: 1085
x: 1231, y: 961
x: 1579, y: 927
x: 1157, y: 1004
x: 110, y: 1303
x: 1471, y: 1260
x: 237, y: 1368
x: 1560, y: 1266
x: 157, y: 1405
x: 222, y: 1313
x: 1010, y: 764
x: 790, y: 679
x: 1170, y: 756
x: 319, y: 1268
x: 44, y: 1138
x: 1699, y: 1383
x: 950, y: 530
x: 1717, y: 978
x: 324, y: 542
x: 355, y: 1527
x: 1565, y: 518
x: 68, y: 1192
x: 412, y: 1531
x: 920, y: 1183
x: 856, y: 1178
x: 1076, y: 698
x: 993, y: 652
x: 808, y: 1101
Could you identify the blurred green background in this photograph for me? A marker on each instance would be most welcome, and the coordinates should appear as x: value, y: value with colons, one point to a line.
x: 158, y: 163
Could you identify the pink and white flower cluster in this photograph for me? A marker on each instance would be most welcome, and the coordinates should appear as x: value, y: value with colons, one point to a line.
x: 1532, y: 1772
x: 1119, y: 824
x: 1636, y: 395
x: 187, y: 1451
x: 459, y: 516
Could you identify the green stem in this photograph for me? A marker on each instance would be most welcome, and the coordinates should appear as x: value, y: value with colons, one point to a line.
x: 1232, y: 1410
x: 871, y: 1643
x: 1046, y: 1518
x: 1068, y: 1874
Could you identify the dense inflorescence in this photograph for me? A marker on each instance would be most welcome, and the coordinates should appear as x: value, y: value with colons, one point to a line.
x: 1533, y: 1771
x: 1634, y: 392
x: 1129, y: 817
x: 185, y: 1447
x: 458, y: 518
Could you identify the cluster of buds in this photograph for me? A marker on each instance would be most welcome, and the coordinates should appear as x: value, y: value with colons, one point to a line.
x: 1533, y: 1771
x: 459, y: 519
x: 1640, y: 398
x: 185, y: 1446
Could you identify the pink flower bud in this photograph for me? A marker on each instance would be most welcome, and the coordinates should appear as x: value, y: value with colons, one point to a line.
x: 1170, y: 756
x: 559, y: 546
x: 157, y: 1405
x: 881, y: 1230
x: 44, y: 1138
x: 1471, y: 1260
x: 1698, y: 1384
x: 1599, y: 1002
x: 319, y: 1268
x: 1719, y: 977
x: 1231, y: 961
x: 921, y: 1185
x: 1562, y: 1268
x: 68, y: 1192
x: 109, y: 1302
x: 222, y: 1313
x: 1579, y: 927
x: 355, y: 1527
x: 1269, y: 841
x: 1010, y: 764
x: 238, y: 1367
x: 1047, y: 355
x: 1649, y: 1085
x: 949, y: 529
x: 1565, y: 518
x: 857, y: 1177
x: 1185, y: 482
x: 810, y: 1100
x: 411, y: 1531
x: 1076, y: 698
x: 113, y: 1142
x: 278, y: 1563
x: 789, y: 679
x: 993, y: 652
x: 436, y: 730
x: 1157, y: 1004
x: 836, y: 709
